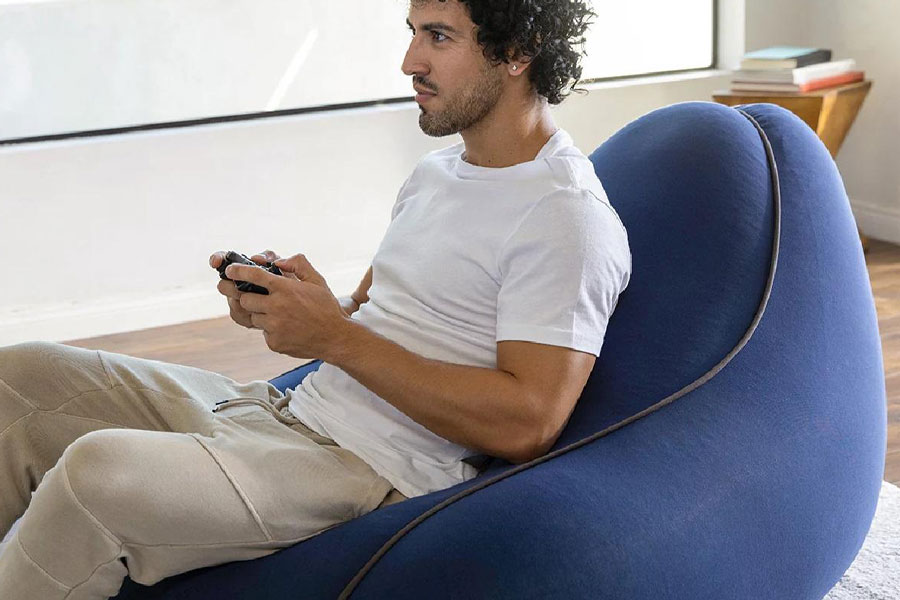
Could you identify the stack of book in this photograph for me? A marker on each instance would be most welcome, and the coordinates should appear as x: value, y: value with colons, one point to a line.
x: 793, y: 69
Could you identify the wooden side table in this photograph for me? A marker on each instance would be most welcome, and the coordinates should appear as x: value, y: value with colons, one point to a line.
x: 830, y: 112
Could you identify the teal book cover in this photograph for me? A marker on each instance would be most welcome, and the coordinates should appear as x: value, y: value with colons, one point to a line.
x: 780, y: 52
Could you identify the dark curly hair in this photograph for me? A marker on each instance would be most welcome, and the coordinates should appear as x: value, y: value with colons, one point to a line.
x: 546, y: 30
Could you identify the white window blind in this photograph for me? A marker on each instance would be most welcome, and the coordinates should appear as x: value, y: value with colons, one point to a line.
x: 82, y: 65
x: 648, y: 36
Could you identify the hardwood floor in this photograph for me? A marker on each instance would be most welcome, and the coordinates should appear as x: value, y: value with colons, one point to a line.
x: 883, y: 262
x: 220, y: 345
x: 217, y: 345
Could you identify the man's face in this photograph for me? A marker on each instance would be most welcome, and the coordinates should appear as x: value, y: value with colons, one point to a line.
x: 451, y: 64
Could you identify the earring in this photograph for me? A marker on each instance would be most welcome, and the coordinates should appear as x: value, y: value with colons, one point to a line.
x: 515, y: 67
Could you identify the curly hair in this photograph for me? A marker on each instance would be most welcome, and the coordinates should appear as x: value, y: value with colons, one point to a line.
x: 545, y: 30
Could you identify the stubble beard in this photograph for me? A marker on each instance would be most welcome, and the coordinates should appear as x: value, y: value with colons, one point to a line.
x: 461, y: 113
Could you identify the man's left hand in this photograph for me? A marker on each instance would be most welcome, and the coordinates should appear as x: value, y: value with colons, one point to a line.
x: 300, y: 316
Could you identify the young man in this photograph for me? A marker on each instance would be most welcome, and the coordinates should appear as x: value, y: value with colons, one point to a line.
x: 472, y: 335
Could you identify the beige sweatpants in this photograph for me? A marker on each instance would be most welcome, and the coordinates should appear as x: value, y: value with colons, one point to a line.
x: 134, y: 473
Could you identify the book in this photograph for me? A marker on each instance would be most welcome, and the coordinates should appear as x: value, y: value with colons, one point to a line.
x: 815, y: 84
x: 798, y: 76
x: 784, y: 57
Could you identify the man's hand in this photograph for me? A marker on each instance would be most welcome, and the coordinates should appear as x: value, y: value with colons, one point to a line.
x: 300, y: 316
x: 230, y: 291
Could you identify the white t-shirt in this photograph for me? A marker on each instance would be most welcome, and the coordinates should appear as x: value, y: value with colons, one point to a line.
x: 472, y: 256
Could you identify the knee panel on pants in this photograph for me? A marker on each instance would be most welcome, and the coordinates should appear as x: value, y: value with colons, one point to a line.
x: 102, y: 471
x: 153, y: 487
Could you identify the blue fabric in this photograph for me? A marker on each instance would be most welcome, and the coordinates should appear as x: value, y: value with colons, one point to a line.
x: 757, y: 482
x: 292, y: 378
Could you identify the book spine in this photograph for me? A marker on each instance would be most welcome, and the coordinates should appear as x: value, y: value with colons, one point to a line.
x: 805, y: 60
x: 764, y: 87
x: 816, y: 84
x: 759, y: 64
x: 798, y: 76
x: 826, y: 69
x: 812, y: 58
x: 844, y: 78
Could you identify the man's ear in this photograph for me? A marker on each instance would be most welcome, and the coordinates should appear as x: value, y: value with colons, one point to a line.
x: 524, y: 61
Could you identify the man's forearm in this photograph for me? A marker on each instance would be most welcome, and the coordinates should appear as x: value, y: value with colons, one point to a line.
x: 483, y: 409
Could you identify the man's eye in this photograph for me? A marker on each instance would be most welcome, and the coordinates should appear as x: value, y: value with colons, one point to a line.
x: 433, y: 33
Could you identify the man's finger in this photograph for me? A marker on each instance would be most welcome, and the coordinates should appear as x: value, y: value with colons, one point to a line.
x: 228, y: 289
x: 300, y: 267
x: 255, y: 275
x: 264, y: 258
x: 258, y: 320
x: 216, y: 259
x: 254, y: 303
x: 238, y: 315
x: 267, y: 256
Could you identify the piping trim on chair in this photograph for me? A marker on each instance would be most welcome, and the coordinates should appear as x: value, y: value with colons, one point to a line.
x: 776, y: 187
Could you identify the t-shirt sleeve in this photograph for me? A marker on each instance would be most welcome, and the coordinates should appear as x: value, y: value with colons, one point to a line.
x: 562, y: 270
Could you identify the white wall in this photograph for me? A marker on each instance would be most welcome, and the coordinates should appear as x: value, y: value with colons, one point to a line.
x: 109, y: 234
x: 866, y: 31
x: 113, y: 234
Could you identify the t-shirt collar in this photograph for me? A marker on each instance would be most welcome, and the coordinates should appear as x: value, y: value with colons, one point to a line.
x: 466, y: 170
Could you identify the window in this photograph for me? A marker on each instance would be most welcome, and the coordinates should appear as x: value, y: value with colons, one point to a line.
x: 648, y: 36
x: 90, y: 65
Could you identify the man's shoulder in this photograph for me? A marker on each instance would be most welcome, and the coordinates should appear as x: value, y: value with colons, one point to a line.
x: 439, y: 159
x: 444, y: 153
x: 574, y: 177
x: 573, y: 208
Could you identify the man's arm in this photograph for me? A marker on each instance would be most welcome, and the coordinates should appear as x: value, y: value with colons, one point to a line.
x: 487, y: 410
x: 351, y: 303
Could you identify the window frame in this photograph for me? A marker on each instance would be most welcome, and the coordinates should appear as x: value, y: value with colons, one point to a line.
x: 335, y: 107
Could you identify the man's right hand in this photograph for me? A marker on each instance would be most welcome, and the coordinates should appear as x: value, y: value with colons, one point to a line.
x: 228, y: 289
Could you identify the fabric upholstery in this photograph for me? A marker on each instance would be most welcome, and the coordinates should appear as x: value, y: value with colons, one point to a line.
x: 730, y: 441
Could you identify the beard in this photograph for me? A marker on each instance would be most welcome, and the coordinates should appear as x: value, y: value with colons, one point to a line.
x: 467, y: 109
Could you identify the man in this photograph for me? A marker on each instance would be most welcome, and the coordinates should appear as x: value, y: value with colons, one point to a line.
x: 472, y: 334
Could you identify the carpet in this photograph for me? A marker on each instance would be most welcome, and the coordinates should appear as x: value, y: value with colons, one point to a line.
x: 875, y: 572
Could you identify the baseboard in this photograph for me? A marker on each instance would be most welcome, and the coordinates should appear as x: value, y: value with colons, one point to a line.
x: 877, y: 222
x: 73, y: 320
x: 76, y: 320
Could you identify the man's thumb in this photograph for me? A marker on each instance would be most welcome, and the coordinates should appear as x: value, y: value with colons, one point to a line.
x: 301, y: 267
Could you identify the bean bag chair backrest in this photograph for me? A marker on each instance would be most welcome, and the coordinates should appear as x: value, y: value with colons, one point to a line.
x: 730, y: 440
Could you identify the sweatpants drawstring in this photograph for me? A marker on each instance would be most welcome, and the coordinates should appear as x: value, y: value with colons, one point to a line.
x: 287, y: 420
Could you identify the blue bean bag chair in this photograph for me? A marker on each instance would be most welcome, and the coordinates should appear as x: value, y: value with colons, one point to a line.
x: 730, y: 441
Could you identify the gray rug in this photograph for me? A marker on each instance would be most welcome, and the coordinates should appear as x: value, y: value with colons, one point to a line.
x: 875, y: 572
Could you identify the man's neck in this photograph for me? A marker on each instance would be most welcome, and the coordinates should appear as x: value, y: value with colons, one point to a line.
x: 499, y: 142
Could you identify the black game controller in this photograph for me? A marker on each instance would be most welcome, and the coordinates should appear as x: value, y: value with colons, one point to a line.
x: 243, y: 259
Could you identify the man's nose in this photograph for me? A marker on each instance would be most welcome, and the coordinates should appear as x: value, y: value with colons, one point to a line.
x: 414, y: 62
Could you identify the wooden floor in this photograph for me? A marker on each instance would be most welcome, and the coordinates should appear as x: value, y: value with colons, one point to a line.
x: 883, y: 262
x: 220, y: 345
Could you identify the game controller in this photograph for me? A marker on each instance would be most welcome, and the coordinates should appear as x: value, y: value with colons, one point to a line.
x: 242, y: 259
